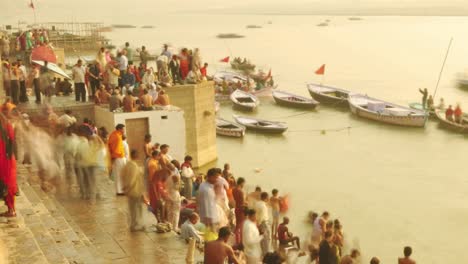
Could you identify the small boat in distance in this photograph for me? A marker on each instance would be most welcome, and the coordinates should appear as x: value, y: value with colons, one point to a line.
x: 261, y: 125
x: 329, y: 95
x: 122, y: 26
x: 385, y: 112
x: 244, y: 101
x: 253, y: 26
x: 228, y: 128
x: 452, y: 125
x: 229, y: 35
x: 292, y: 100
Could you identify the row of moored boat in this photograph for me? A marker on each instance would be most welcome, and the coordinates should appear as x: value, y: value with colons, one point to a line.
x: 359, y: 104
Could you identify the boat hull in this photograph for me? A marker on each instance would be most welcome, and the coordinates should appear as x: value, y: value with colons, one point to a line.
x: 410, y: 121
x: 230, y: 132
x: 268, y: 131
x: 244, y: 107
x: 265, y: 92
x: 329, y: 100
x: 459, y: 128
x: 274, y: 128
x: 288, y: 103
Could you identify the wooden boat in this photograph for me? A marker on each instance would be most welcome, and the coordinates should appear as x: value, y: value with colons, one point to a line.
x: 264, y: 92
x: 229, y: 35
x: 244, y: 101
x: 378, y: 110
x: 261, y: 125
x: 329, y: 95
x: 292, y: 100
x: 451, y: 125
x: 419, y: 106
x: 242, y: 66
x: 228, y: 128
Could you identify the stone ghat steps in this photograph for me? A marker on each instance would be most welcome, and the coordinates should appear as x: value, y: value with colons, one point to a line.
x: 43, y: 232
x: 62, y: 228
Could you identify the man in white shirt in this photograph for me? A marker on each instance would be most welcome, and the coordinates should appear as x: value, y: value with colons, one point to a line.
x: 188, y: 229
x: 251, y: 238
x: 206, y: 200
x: 263, y: 218
x: 78, y: 73
x: 66, y: 120
x: 22, y: 81
x: 123, y: 61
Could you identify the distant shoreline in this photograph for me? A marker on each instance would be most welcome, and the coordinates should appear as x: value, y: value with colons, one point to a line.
x: 423, y: 12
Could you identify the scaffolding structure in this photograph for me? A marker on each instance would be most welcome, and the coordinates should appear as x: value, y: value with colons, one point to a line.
x: 73, y: 36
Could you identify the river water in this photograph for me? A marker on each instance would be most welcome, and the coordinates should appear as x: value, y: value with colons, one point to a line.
x: 389, y: 186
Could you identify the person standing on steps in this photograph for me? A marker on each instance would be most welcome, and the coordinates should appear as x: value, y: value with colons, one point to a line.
x: 78, y: 73
x: 117, y: 152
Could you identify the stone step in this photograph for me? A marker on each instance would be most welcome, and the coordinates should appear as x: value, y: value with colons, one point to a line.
x: 43, y: 232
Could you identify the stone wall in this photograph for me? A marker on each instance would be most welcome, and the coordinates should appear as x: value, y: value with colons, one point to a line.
x: 197, y: 101
x: 80, y: 110
x: 165, y: 126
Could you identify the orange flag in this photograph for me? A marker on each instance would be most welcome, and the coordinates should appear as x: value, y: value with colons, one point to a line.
x: 321, y: 70
x: 225, y: 59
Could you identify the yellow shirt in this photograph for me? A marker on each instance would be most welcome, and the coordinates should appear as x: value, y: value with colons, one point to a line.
x: 132, y: 177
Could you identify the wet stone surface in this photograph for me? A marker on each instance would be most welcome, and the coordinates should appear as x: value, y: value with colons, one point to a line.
x: 62, y: 228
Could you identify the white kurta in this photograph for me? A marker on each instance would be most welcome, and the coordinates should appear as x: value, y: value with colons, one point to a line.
x: 251, y: 240
x: 206, y: 201
x: 117, y: 166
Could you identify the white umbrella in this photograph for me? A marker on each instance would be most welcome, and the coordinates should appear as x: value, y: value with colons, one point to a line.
x: 53, y: 67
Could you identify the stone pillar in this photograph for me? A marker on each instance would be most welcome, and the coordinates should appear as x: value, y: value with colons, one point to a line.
x: 197, y: 101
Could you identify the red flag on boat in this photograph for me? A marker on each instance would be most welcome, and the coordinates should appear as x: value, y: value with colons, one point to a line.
x: 225, y: 59
x: 31, y: 5
x: 321, y: 70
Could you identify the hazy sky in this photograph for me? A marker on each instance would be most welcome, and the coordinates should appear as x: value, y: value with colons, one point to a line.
x: 63, y: 10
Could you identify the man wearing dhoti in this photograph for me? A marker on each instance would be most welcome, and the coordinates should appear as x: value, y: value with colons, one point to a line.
x: 117, y: 153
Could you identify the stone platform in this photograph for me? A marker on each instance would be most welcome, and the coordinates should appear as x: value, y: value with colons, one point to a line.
x: 62, y: 228
x: 59, y: 105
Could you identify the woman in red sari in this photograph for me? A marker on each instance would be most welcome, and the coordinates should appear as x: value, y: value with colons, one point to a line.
x: 8, y: 165
x: 158, y: 172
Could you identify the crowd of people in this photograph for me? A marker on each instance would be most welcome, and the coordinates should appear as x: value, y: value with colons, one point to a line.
x: 212, y: 212
x: 107, y: 78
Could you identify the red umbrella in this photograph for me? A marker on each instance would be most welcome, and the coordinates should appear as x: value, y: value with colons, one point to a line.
x: 43, y: 53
